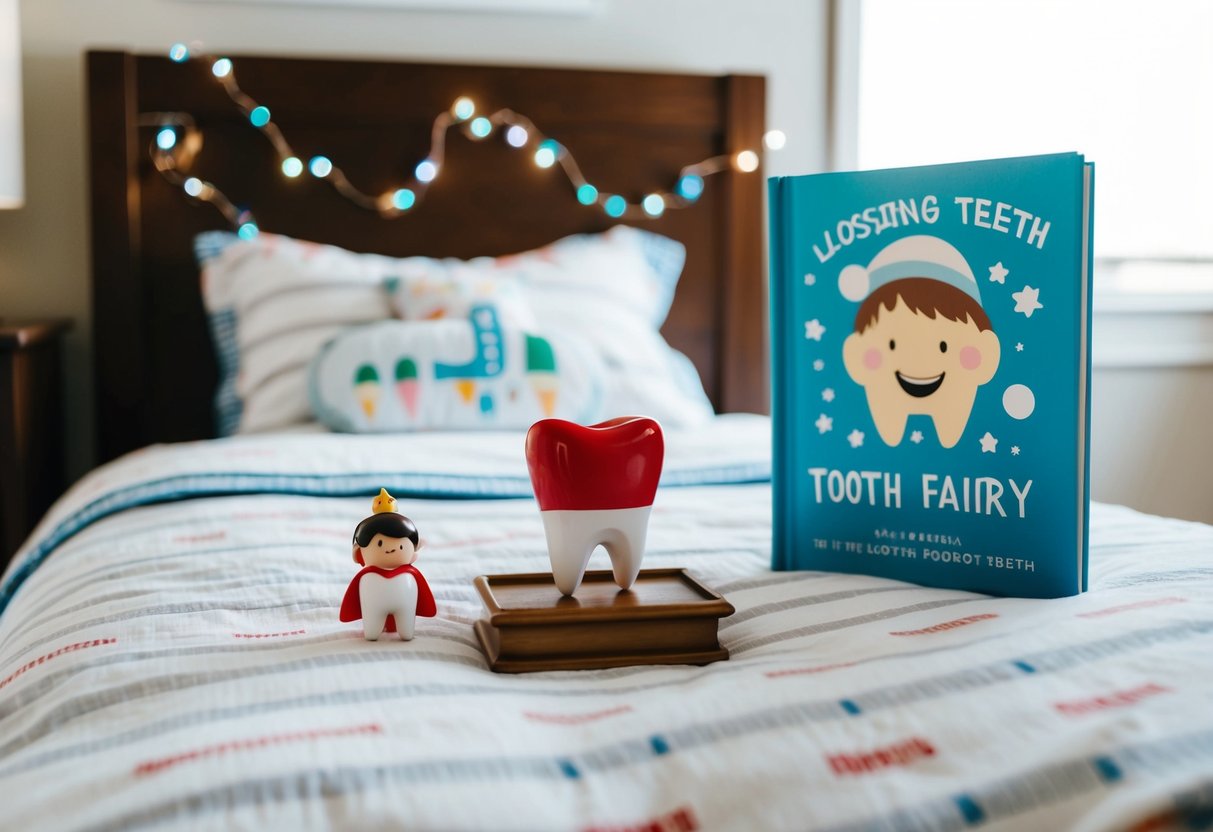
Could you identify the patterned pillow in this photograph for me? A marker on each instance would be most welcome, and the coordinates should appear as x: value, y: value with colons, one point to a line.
x: 471, y: 374
x: 274, y: 302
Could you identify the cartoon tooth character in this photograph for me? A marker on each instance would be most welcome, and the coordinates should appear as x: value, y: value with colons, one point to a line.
x: 922, y: 342
x: 389, y: 592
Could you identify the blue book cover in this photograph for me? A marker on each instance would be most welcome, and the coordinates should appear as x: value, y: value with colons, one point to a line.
x: 930, y: 373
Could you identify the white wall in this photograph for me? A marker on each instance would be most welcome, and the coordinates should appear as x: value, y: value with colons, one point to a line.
x: 44, y: 265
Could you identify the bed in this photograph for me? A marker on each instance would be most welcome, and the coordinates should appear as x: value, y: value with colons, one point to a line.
x: 170, y: 654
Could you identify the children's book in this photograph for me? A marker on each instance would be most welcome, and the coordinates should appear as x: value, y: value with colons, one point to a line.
x: 930, y: 373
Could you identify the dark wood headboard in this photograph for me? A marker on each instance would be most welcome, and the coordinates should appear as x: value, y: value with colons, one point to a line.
x: 630, y: 132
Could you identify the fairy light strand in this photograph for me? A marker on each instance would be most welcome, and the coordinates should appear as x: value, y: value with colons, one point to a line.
x: 178, y: 140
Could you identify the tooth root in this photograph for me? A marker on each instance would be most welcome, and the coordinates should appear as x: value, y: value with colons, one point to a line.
x: 572, y: 536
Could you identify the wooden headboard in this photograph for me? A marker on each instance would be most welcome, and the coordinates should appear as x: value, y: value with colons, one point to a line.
x: 630, y: 132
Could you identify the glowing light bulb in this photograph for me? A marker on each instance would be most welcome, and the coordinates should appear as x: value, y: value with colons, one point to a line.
x: 654, y: 205
x: 481, y: 127
x: 587, y: 194
x: 166, y: 139
x: 193, y: 186
x: 320, y: 166
x: 615, y: 205
x: 746, y: 161
x: 690, y: 187
x: 221, y: 68
x: 178, y: 53
x: 403, y: 199
x: 259, y: 116
x: 248, y: 230
x: 517, y: 136
x: 545, y: 156
x: 292, y: 166
x: 463, y: 108
x: 426, y: 171
x: 775, y: 139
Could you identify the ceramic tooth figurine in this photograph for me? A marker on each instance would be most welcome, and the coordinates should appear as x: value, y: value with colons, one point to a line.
x: 389, y: 592
x: 595, y: 486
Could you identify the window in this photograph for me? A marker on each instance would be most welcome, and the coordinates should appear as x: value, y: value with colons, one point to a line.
x: 1129, y: 84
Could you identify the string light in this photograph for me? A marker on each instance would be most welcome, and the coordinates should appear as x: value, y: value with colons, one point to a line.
x: 517, y: 136
x: 545, y: 156
x: 775, y: 139
x: 426, y: 171
x: 746, y: 161
x: 654, y: 205
x: 690, y: 187
x: 403, y: 199
x: 177, y: 141
x: 587, y: 194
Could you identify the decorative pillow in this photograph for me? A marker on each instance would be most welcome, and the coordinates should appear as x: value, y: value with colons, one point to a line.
x: 470, y: 374
x: 274, y: 302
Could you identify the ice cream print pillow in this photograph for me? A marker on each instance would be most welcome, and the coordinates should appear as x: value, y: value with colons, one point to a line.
x: 476, y: 373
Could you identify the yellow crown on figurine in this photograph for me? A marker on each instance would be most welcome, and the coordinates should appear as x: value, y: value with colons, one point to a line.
x: 384, y: 502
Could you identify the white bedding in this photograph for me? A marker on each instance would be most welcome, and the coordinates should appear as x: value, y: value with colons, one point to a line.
x: 180, y: 664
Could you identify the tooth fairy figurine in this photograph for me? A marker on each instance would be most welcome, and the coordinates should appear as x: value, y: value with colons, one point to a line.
x: 389, y: 592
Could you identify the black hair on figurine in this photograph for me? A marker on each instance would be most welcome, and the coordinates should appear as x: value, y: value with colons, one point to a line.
x: 386, y: 522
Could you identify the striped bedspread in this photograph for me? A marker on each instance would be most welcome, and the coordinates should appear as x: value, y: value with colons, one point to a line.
x: 170, y: 657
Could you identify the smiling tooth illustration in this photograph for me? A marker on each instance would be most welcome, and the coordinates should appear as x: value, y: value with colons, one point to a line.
x: 922, y: 342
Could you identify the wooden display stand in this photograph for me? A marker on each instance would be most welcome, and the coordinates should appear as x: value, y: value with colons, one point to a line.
x: 667, y: 617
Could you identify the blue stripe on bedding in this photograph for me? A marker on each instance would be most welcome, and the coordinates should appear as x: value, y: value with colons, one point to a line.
x: 403, y: 485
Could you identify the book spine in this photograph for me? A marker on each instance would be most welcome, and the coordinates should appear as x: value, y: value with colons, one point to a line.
x: 777, y: 189
x: 1086, y: 471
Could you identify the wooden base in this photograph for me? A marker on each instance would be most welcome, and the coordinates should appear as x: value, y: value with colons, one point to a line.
x: 667, y: 617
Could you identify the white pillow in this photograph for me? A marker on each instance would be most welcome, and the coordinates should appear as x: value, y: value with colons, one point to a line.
x: 274, y: 302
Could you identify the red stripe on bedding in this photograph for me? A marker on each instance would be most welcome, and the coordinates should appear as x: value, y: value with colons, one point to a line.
x: 947, y: 625
x: 71, y: 648
x: 576, y: 719
x: 155, y: 766
x: 681, y: 819
x: 1139, y: 605
x: 800, y: 671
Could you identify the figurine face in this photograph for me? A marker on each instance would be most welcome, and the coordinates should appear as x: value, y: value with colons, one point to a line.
x: 388, y: 552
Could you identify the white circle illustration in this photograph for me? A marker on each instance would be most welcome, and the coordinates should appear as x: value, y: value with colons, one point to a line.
x: 1019, y: 401
x: 853, y: 282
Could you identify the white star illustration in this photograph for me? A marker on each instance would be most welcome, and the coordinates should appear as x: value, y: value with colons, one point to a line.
x: 1014, y: 450
x: 1019, y: 347
x: 855, y: 437
x: 824, y: 423
x: 988, y: 443
x: 810, y: 279
x: 813, y: 330
x: 1027, y: 301
x: 916, y: 436
x: 998, y: 274
x: 828, y: 394
x: 819, y: 365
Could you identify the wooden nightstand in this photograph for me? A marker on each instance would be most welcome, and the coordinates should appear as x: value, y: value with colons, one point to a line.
x: 32, y: 469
